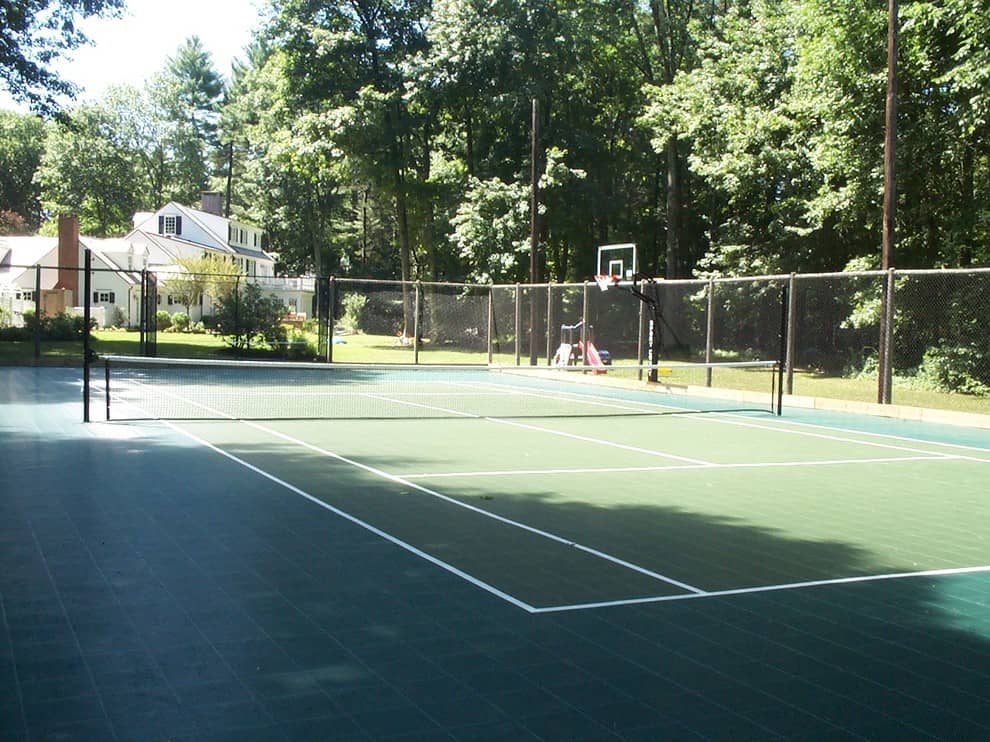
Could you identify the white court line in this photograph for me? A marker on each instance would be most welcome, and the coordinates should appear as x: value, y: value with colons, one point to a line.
x: 425, y: 490
x: 357, y: 521
x: 676, y: 467
x: 728, y: 419
x: 765, y: 589
x: 599, y: 441
x: 445, y: 498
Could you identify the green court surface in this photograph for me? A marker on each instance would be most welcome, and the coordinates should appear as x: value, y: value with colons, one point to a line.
x: 544, y: 575
x: 560, y: 513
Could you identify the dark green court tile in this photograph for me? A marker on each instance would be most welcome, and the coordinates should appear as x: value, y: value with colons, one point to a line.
x: 337, y: 728
x: 589, y: 693
x: 279, y: 684
x: 461, y: 711
x: 622, y: 716
x: 368, y: 698
x: 58, y: 729
x: 569, y: 724
x: 787, y: 721
x: 68, y: 710
x: 236, y: 715
x: 444, y: 686
x: 229, y: 690
x: 124, y: 671
x: 48, y: 689
x: 391, y: 722
x: 112, y: 635
x: 258, y: 656
x: 192, y: 665
x: 313, y: 650
x: 407, y: 671
x: 554, y: 674
x: 313, y: 705
x: 498, y: 731
x: 527, y: 701
x: 467, y: 663
x: 36, y: 669
x: 494, y: 680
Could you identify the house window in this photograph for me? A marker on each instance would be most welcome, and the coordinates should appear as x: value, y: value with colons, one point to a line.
x: 170, y: 224
x: 104, y: 297
x: 25, y: 295
x: 255, y: 239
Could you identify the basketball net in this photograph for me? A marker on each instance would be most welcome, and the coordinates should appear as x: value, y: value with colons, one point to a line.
x: 604, y: 281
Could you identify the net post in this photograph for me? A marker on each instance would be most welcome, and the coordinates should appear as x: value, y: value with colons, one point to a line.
x: 37, y: 312
x: 87, y: 314
x: 782, y: 359
x: 106, y: 385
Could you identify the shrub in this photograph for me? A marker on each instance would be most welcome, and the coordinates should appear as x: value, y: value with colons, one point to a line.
x: 353, y: 309
x: 163, y: 319
x: 299, y: 347
x: 951, y: 368
x: 180, y: 322
x: 116, y: 317
x: 247, y: 316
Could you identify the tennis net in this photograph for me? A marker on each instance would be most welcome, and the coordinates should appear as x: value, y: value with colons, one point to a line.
x: 182, y: 389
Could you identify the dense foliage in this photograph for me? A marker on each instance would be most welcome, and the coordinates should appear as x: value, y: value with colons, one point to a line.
x: 391, y: 138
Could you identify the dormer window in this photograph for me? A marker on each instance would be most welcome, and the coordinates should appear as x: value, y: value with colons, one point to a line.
x: 170, y: 224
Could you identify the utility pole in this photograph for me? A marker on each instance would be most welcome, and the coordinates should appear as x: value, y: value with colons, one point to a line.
x: 534, y: 234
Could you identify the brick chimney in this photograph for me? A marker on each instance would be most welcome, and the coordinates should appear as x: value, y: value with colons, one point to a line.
x: 211, y: 202
x: 68, y: 254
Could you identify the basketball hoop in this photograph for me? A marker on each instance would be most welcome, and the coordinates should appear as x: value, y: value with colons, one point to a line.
x: 604, y: 281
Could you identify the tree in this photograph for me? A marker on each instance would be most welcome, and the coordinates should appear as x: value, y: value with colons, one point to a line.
x: 33, y: 34
x: 86, y: 171
x: 189, y: 91
x: 22, y: 141
x: 245, y: 315
x: 206, y: 274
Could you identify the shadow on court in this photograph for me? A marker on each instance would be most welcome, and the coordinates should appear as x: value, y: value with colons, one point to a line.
x: 151, y: 588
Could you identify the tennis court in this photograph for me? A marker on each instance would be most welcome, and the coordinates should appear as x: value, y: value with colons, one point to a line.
x: 557, y: 492
x: 479, y: 554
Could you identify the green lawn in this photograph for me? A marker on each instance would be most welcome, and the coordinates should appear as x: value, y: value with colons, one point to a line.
x: 385, y: 349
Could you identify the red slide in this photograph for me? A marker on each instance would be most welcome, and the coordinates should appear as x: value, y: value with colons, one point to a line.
x: 594, y: 360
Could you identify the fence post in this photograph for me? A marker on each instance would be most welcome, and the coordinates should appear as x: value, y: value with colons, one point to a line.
x: 641, y: 330
x: 331, y: 300
x: 549, y: 323
x: 87, y: 315
x: 887, y: 342
x: 491, y: 323
x: 142, y: 311
x: 518, y: 326
x: 710, y: 331
x: 584, y: 324
x: 791, y: 332
x: 417, y: 294
x: 37, y: 312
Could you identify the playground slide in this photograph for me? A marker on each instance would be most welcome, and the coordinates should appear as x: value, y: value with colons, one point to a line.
x: 593, y: 359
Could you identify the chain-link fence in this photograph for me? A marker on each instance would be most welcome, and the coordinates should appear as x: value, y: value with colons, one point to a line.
x: 897, y: 336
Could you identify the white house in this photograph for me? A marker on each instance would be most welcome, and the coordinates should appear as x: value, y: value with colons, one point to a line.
x: 158, y: 241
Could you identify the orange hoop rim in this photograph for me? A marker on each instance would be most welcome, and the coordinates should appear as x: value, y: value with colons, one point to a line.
x: 605, y: 280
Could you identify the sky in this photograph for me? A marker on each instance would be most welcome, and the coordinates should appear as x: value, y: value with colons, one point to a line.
x: 133, y: 48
